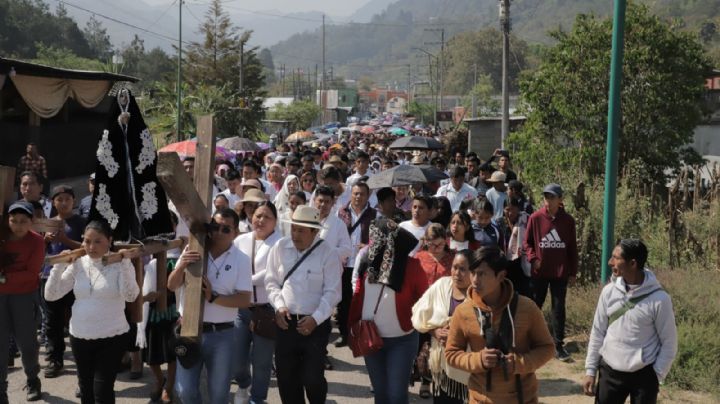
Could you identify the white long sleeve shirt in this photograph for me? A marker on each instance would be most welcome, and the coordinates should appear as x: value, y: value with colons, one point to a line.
x: 244, y: 242
x: 456, y: 197
x: 100, y: 295
x: 335, y: 233
x: 313, y: 289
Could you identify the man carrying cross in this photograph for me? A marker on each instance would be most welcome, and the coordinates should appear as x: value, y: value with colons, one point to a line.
x: 227, y: 286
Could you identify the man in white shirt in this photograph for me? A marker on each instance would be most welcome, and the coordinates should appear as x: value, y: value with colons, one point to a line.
x: 362, y: 165
x: 233, y: 187
x: 251, y: 170
x: 303, y: 293
x: 334, y: 231
x: 456, y: 191
x: 634, y: 340
x: 227, y: 286
x: 331, y: 177
x: 356, y: 217
x: 497, y: 195
x: 420, y: 220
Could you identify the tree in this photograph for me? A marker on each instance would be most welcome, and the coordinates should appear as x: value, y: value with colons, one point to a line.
x: 215, y: 63
x: 98, y: 39
x: 266, y: 59
x: 708, y: 31
x: 566, y: 99
x: 300, y: 114
x: 64, y: 58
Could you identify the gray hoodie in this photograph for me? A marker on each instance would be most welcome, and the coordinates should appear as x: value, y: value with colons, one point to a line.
x: 644, y: 335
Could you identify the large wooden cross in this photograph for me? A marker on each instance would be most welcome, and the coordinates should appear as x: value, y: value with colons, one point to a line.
x: 193, y: 200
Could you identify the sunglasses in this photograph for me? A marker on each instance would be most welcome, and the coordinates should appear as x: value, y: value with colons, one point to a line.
x: 225, y: 229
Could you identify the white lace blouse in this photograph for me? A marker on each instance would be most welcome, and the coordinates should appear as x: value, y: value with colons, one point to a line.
x: 100, y: 295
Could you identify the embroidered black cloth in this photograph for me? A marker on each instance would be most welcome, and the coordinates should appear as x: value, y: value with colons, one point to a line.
x: 127, y: 193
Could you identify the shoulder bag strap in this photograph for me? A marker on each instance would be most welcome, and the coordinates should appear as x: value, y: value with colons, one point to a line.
x: 628, y: 306
x: 377, y: 304
x: 300, y: 261
x: 352, y: 228
x: 252, y: 263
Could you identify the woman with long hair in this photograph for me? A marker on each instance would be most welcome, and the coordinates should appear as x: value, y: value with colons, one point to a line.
x: 255, y: 350
x: 393, y: 281
x: 460, y: 235
x: 431, y: 314
x: 98, y: 327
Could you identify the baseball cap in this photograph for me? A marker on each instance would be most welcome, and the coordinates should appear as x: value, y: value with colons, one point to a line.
x: 554, y: 189
x: 62, y: 189
x: 22, y: 207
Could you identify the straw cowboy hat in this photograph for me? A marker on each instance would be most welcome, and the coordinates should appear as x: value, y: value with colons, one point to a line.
x: 253, y: 195
x: 306, y: 216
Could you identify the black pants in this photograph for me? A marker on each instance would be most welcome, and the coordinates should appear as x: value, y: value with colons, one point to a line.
x: 300, y: 364
x: 19, y: 317
x: 614, y: 386
x: 521, y: 283
x: 97, y: 362
x: 558, y: 290
x: 57, y: 315
x: 343, y: 308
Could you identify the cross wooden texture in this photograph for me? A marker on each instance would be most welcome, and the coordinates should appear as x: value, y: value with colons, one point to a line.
x: 194, y: 204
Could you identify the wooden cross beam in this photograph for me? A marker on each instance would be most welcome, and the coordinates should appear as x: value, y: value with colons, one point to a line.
x: 193, y: 200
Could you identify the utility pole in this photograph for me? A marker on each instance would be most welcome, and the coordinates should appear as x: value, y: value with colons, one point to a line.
x: 505, y: 28
x: 179, y: 75
x: 409, y: 94
x: 322, y: 81
x: 474, y: 101
x: 316, y: 84
x: 440, y: 62
x: 282, y: 80
x: 241, y: 81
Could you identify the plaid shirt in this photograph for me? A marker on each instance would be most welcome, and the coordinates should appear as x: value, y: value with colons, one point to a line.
x: 36, y: 165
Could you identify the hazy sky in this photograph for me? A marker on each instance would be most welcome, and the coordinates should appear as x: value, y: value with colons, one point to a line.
x: 332, y: 7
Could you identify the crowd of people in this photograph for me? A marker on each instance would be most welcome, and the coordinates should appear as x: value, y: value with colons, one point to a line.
x: 437, y: 283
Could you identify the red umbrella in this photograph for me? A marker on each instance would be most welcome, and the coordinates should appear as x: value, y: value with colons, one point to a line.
x: 188, y: 147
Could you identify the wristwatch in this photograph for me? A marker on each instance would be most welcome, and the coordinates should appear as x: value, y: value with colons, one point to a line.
x: 213, y: 296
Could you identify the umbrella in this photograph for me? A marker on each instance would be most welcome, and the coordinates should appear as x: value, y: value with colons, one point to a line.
x: 399, y: 132
x: 262, y: 146
x: 416, y: 143
x: 300, y: 136
x: 237, y: 143
x: 187, y: 148
x: 367, y: 130
x: 406, y: 175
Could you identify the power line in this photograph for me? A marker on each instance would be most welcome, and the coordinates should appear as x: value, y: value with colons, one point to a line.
x: 162, y: 15
x: 115, y: 20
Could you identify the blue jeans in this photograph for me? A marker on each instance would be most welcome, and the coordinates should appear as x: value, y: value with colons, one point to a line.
x: 389, y: 369
x: 217, y: 354
x: 254, y: 350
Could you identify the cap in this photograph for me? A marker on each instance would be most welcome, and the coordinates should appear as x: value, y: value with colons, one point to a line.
x: 553, y: 189
x: 335, y: 159
x: 22, y: 207
x: 62, y: 189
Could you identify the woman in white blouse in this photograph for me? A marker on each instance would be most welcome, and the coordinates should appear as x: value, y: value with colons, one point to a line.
x: 98, y: 328
x: 256, y: 245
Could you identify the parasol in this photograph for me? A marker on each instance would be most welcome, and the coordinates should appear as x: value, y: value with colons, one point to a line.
x: 406, y: 175
x: 187, y: 148
x: 300, y: 136
x: 237, y: 143
x: 416, y: 143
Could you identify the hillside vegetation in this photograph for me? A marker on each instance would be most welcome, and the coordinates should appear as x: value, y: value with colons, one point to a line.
x: 384, y: 47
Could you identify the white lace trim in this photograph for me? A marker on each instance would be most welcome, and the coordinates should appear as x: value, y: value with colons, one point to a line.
x: 102, y: 204
x: 104, y: 155
x: 147, y: 154
x: 149, y: 205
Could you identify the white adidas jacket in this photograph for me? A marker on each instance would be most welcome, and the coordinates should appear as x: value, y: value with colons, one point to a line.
x: 644, y: 335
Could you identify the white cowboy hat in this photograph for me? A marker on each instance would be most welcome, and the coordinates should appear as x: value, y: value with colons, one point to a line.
x: 306, y: 216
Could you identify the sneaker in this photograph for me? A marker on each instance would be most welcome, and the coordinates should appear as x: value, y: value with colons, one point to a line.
x: 34, y: 392
x: 53, y: 369
x: 340, y: 342
x: 241, y: 396
x: 562, y: 355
